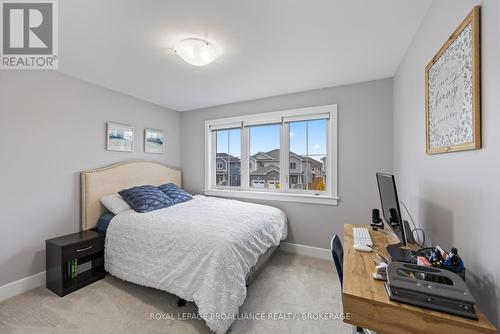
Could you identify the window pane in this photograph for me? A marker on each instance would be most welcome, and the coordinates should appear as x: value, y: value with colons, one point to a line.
x: 222, y: 141
x: 298, y: 138
x: 228, y: 158
x: 316, y: 144
x: 296, y: 174
x: 308, y: 141
x: 316, y: 173
x: 264, y: 160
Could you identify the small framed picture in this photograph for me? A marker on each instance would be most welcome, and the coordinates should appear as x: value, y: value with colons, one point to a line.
x: 120, y: 137
x: 154, y: 141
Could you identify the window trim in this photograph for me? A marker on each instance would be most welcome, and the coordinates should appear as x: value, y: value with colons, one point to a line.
x: 329, y: 197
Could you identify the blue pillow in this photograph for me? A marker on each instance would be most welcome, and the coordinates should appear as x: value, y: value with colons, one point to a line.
x: 176, y: 194
x: 145, y: 198
x: 103, y: 222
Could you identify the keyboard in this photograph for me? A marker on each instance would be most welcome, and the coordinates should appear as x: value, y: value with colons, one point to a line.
x: 362, y: 236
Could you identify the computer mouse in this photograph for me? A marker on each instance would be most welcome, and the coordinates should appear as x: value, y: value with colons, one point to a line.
x: 363, y: 248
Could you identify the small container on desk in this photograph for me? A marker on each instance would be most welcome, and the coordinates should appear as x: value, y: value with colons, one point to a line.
x: 74, y: 261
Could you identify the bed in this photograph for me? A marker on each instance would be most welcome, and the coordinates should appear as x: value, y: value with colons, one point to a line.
x: 205, y: 250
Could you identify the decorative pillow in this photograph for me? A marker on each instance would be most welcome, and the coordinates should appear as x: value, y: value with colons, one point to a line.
x: 103, y: 222
x: 145, y: 198
x: 176, y: 194
x: 114, y: 203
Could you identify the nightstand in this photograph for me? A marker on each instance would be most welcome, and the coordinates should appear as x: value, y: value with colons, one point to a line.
x: 86, y: 249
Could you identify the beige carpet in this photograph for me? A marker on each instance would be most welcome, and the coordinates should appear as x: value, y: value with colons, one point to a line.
x: 288, y: 284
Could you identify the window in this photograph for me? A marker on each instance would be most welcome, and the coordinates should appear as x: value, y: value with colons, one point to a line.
x: 308, y: 142
x: 264, y: 141
x: 228, y: 157
x: 287, y: 155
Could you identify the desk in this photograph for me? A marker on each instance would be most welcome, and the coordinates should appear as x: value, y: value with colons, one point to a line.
x: 366, y: 300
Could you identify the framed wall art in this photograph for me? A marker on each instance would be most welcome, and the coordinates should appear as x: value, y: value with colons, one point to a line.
x: 119, y: 137
x: 453, y: 93
x: 154, y: 141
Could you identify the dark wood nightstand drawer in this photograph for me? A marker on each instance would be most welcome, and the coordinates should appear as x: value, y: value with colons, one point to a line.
x: 83, y: 248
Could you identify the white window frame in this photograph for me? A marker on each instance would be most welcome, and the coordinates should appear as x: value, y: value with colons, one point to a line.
x: 328, y: 197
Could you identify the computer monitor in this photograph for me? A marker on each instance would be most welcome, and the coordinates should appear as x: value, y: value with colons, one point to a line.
x: 390, y: 205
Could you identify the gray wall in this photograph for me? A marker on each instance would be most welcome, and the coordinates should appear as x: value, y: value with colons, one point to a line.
x: 365, y: 146
x: 454, y: 196
x: 52, y: 127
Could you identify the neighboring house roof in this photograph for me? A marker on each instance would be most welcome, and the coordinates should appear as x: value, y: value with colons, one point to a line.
x: 275, y: 155
x: 296, y: 156
x: 314, y: 161
x: 267, y: 156
x: 225, y: 156
x: 265, y: 170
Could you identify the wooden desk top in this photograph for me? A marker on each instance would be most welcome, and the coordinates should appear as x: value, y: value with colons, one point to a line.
x: 369, y: 306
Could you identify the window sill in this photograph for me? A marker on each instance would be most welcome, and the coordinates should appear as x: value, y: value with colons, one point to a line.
x: 273, y: 196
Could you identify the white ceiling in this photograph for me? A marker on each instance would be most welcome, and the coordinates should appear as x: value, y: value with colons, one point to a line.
x: 268, y: 47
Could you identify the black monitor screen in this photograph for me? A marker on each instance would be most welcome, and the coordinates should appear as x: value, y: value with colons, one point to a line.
x: 390, y: 204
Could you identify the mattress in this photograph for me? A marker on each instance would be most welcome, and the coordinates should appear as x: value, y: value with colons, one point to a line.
x: 200, y: 250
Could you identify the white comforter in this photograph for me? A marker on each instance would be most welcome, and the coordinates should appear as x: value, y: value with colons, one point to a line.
x: 200, y: 250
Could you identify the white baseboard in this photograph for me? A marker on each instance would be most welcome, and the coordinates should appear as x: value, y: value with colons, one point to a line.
x: 24, y: 284
x: 320, y: 253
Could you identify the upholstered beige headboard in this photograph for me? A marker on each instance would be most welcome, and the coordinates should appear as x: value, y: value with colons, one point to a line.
x: 111, y: 179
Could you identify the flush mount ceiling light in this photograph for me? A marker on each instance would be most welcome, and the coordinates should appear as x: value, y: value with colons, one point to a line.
x: 195, y: 51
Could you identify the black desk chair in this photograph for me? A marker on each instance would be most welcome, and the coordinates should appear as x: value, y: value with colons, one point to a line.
x: 338, y: 259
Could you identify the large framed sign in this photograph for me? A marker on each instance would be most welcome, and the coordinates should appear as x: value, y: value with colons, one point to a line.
x: 453, y: 91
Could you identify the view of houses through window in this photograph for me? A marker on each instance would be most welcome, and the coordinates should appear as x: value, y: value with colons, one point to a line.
x: 264, y: 160
x: 307, y: 156
x: 228, y: 158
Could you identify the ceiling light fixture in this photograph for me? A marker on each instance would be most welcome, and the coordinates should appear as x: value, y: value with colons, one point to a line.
x: 195, y: 51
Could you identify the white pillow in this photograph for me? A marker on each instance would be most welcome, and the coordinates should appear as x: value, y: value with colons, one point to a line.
x: 114, y: 203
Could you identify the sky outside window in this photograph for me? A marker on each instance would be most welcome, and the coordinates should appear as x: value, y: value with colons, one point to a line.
x: 264, y: 138
x: 308, y: 137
